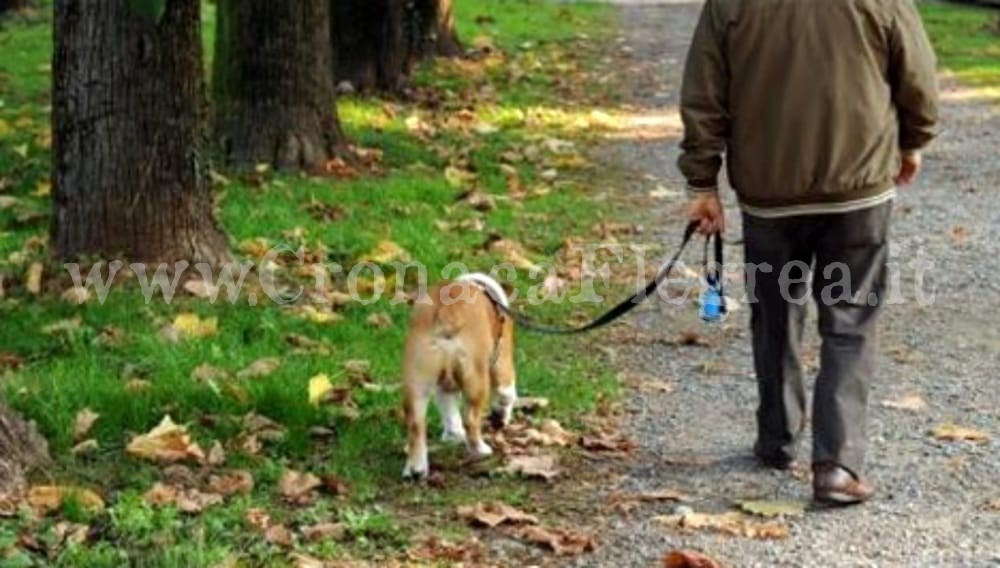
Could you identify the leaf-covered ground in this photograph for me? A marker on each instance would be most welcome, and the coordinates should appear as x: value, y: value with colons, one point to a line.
x: 284, y: 441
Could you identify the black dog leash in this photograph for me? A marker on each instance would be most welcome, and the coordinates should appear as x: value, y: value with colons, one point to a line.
x: 714, y: 279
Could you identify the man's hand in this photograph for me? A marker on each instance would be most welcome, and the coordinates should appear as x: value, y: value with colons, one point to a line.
x: 706, y: 209
x: 910, y: 168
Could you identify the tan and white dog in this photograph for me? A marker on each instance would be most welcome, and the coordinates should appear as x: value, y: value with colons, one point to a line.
x: 460, y: 345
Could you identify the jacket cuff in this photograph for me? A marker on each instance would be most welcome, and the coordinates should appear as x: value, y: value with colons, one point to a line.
x: 700, y: 190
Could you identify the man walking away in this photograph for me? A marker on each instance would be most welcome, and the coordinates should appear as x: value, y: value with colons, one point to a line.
x: 822, y: 108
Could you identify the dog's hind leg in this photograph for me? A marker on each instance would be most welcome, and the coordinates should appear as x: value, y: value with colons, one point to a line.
x: 477, y: 405
x: 415, y: 406
x: 451, y: 416
x: 504, y: 376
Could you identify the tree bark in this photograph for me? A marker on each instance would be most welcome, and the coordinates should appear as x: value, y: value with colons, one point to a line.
x: 372, y: 48
x: 274, y: 95
x: 437, y: 21
x: 128, y: 123
x: 22, y: 449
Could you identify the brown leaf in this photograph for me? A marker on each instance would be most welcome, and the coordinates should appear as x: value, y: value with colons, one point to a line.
x: 258, y: 518
x: 435, y: 551
x: 216, y: 455
x: 511, y: 252
x: 192, y: 501
x: 302, y: 560
x: 959, y: 234
x: 335, y: 486
x: 732, y: 524
x: 166, y: 443
x: 380, y: 320
x: 279, y: 535
x: 260, y: 368
x: 263, y: 427
x: 493, y: 514
x: 324, y: 531
x: 688, y: 559
x: 607, y: 443
x: 358, y: 370
x: 627, y: 502
x: 161, y: 494
x: 298, y: 488
x: 906, y: 402
x: 71, y: 533
x: 234, y: 482
x: 538, y: 467
x: 84, y: 421
x: 954, y: 432
x: 563, y: 542
x: 45, y: 499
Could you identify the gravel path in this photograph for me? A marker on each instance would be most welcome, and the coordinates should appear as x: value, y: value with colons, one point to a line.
x: 931, y: 509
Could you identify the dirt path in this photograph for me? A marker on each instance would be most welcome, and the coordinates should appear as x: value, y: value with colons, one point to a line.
x: 932, y: 506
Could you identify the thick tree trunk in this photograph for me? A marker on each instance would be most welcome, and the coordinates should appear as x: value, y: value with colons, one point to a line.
x: 437, y: 23
x: 128, y: 118
x: 273, y: 91
x: 372, y: 43
x: 22, y: 449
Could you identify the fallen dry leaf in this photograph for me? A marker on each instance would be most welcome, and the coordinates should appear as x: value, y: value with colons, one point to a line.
x: 777, y: 508
x: 319, y: 386
x: 380, y: 320
x: 324, y: 531
x: 434, y: 551
x: 607, y: 443
x: 76, y: 295
x: 85, y: 447
x: 192, y: 501
x: 45, y: 499
x: 298, y: 488
x: 511, y: 252
x: 201, y: 289
x: 260, y: 368
x: 387, y: 252
x: 688, y: 559
x: 732, y: 524
x: 302, y: 560
x: 563, y: 542
x: 533, y: 467
x: 33, y: 278
x: 160, y: 494
x: 279, y: 535
x: 83, y: 422
x: 358, y: 370
x: 189, y: 326
x: 628, y: 502
x: 263, y: 427
x: 231, y: 483
x: 906, y: 402
x: 493, y: 514
x: 258, y: 518
x: 166, y: 443
x: 216, y: 455
x: 954, y: 432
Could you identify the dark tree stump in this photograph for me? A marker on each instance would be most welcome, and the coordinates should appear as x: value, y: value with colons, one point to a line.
x: 273, y: 91
x: 128, y: 124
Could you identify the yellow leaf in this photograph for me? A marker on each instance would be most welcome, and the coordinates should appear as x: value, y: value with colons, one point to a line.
x: 319, y: 386
x: 21, y: 150
x: 954, y: 432
x: 49, y: 498
x: 779, y: 508
x: 168, y: 443
x: 191, y: 325
x: 33, y: 280
x: 386, y: 252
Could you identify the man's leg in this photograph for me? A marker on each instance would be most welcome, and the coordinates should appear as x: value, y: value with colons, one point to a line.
x: 776, y: 326
x: 857, y: 242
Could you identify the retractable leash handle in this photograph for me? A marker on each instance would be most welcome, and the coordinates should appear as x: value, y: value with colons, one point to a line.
x: 622, y: 308
x: 713, y: 300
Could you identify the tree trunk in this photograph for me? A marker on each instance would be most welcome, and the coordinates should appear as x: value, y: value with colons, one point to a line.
x: 437, y: 24
x: 22, y: 449
x: 274, y: 94
x: 372, y: 45
x: 127, y: 120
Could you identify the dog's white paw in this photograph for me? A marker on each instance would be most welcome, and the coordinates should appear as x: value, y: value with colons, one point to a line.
x: 453, y: 436
x: 415, y: 472
x: 481, y: 450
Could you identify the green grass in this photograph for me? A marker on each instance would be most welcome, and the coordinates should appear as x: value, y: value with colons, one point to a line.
x: 65, y: 371
x: 967, y: 41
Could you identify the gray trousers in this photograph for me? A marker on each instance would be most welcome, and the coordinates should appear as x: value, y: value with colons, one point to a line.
x: 846, y: 254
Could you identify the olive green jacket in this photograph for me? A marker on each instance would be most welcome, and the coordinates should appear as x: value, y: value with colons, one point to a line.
x: 811, y: 101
